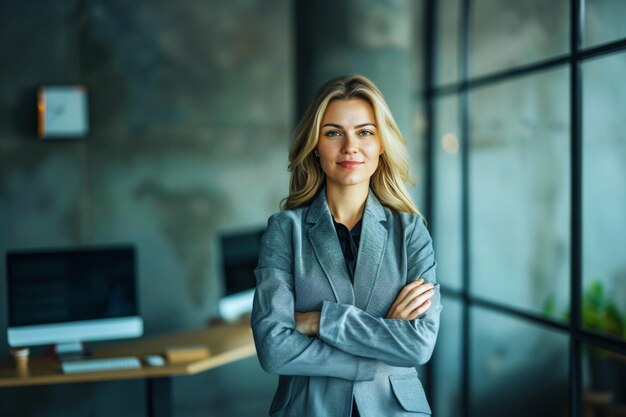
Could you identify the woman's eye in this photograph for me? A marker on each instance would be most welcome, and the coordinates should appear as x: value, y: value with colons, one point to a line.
x: 366, y: 133
x: 332, y: 133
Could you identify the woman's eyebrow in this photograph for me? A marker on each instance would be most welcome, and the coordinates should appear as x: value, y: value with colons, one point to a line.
x: 341, y: 127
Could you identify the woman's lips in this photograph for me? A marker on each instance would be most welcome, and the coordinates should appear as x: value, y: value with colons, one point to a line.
x: 350, y: 164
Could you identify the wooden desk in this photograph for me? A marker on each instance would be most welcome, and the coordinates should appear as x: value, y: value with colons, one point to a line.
x: 227, y: 342
x: 601, y: 404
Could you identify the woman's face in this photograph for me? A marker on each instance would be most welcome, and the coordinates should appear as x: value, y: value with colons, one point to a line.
x: 348, y: 143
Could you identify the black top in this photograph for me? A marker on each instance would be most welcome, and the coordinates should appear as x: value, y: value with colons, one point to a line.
x: 349, y: 242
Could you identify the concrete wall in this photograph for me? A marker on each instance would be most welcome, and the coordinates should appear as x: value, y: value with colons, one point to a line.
x: 191, y: 114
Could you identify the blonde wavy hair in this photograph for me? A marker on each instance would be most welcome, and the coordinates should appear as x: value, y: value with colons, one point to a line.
x: 387, y: 182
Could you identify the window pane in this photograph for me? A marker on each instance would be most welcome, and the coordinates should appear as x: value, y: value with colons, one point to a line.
x: 447, y: 48
x: 604, y: 195
x: 447, y: 361
x: 447, y: 227
x: 520, y: 193
x: 517, y: 369
x: 506, y: 34
x: 604, y: 21
x: 604, y: 381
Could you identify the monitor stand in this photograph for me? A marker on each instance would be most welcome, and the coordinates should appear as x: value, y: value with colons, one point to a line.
x: 69, y: 351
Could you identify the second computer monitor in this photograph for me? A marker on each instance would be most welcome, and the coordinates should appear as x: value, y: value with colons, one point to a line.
x: 239, y: 257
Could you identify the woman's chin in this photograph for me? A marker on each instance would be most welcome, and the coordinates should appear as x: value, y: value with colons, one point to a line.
x: 349, y: 182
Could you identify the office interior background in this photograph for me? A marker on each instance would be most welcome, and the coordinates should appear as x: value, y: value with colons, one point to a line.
x: 514, y: 117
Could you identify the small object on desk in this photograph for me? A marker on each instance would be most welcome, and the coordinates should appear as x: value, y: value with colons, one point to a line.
x: 180, y: 354
x: 20, y: 357
x: 100, y: 364
x: 154, y: 360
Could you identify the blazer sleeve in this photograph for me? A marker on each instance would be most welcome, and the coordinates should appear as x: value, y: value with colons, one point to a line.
x: 395, y: 342
x: 280, y: 348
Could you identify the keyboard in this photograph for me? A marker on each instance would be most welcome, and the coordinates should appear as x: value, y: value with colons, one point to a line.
x: 100, y: 364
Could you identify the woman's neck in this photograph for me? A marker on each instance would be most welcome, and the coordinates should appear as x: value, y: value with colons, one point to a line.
x: 347, y: 204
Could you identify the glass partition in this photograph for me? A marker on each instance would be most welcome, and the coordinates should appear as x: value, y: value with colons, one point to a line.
x: 508, y: 34
x: 604, y: 195
x: 604, y: 21
x: 517, y: 369
x: 447, y: 361
x: 520, y: 193
x: 448, y: 234
x: 447, y: 48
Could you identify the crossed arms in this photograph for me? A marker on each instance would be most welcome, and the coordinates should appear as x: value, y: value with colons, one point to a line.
x: 341, y: 340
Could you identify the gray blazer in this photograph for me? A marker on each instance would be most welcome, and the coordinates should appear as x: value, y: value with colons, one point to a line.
x: 357, y: 352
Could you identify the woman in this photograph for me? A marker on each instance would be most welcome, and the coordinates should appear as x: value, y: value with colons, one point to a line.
x: 339, y: 312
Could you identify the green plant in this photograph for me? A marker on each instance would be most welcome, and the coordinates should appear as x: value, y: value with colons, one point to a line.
x: 599, y: 311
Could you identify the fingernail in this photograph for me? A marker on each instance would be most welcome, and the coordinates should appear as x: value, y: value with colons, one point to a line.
x: 420, y: 280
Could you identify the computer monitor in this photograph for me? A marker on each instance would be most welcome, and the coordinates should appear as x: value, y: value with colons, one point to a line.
x: 69, y: 296
x: 239, y: 257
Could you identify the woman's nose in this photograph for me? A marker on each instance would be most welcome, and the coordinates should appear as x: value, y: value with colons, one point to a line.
x: 350, y: 144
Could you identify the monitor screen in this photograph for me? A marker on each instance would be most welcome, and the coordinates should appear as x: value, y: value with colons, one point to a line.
x: 71, y: 295
x: 240, y: 252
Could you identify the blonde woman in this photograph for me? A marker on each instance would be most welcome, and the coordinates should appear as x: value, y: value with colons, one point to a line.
x: 346, y: 303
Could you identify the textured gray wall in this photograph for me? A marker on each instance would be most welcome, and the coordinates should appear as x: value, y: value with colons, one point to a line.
x: 191, y: 113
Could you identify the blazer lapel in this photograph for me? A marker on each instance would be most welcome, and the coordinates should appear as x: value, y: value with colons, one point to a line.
x: 325, y: 242
x: 371, y: 250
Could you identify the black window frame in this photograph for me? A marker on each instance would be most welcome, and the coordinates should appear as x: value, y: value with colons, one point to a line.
x: 574, y: 59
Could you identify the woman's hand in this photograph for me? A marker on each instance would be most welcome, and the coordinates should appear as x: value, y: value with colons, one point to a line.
x: 412, y: 301
x: 308, y: 323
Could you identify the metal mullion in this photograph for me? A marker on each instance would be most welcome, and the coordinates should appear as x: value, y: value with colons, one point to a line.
x: 517, y: 313
x: 602, y: 50
x: 430, y: 39
x: 586, y: 336
x: 464, y: 42
x: 506, y: 75
x: 429, y: 108
x: 575, y: 354
x: 552, y: 63
x: 603, y: 341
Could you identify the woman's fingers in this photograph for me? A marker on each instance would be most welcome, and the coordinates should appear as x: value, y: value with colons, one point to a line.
x: 417, y: 306
x: 308, y: 323
x: 419, y: 298
x: 416, y: 296
x: 421, y: 310
x: 408, y: 288
x: 412, y: 301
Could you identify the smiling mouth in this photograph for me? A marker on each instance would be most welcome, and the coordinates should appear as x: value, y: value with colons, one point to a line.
x: 350, y: 164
